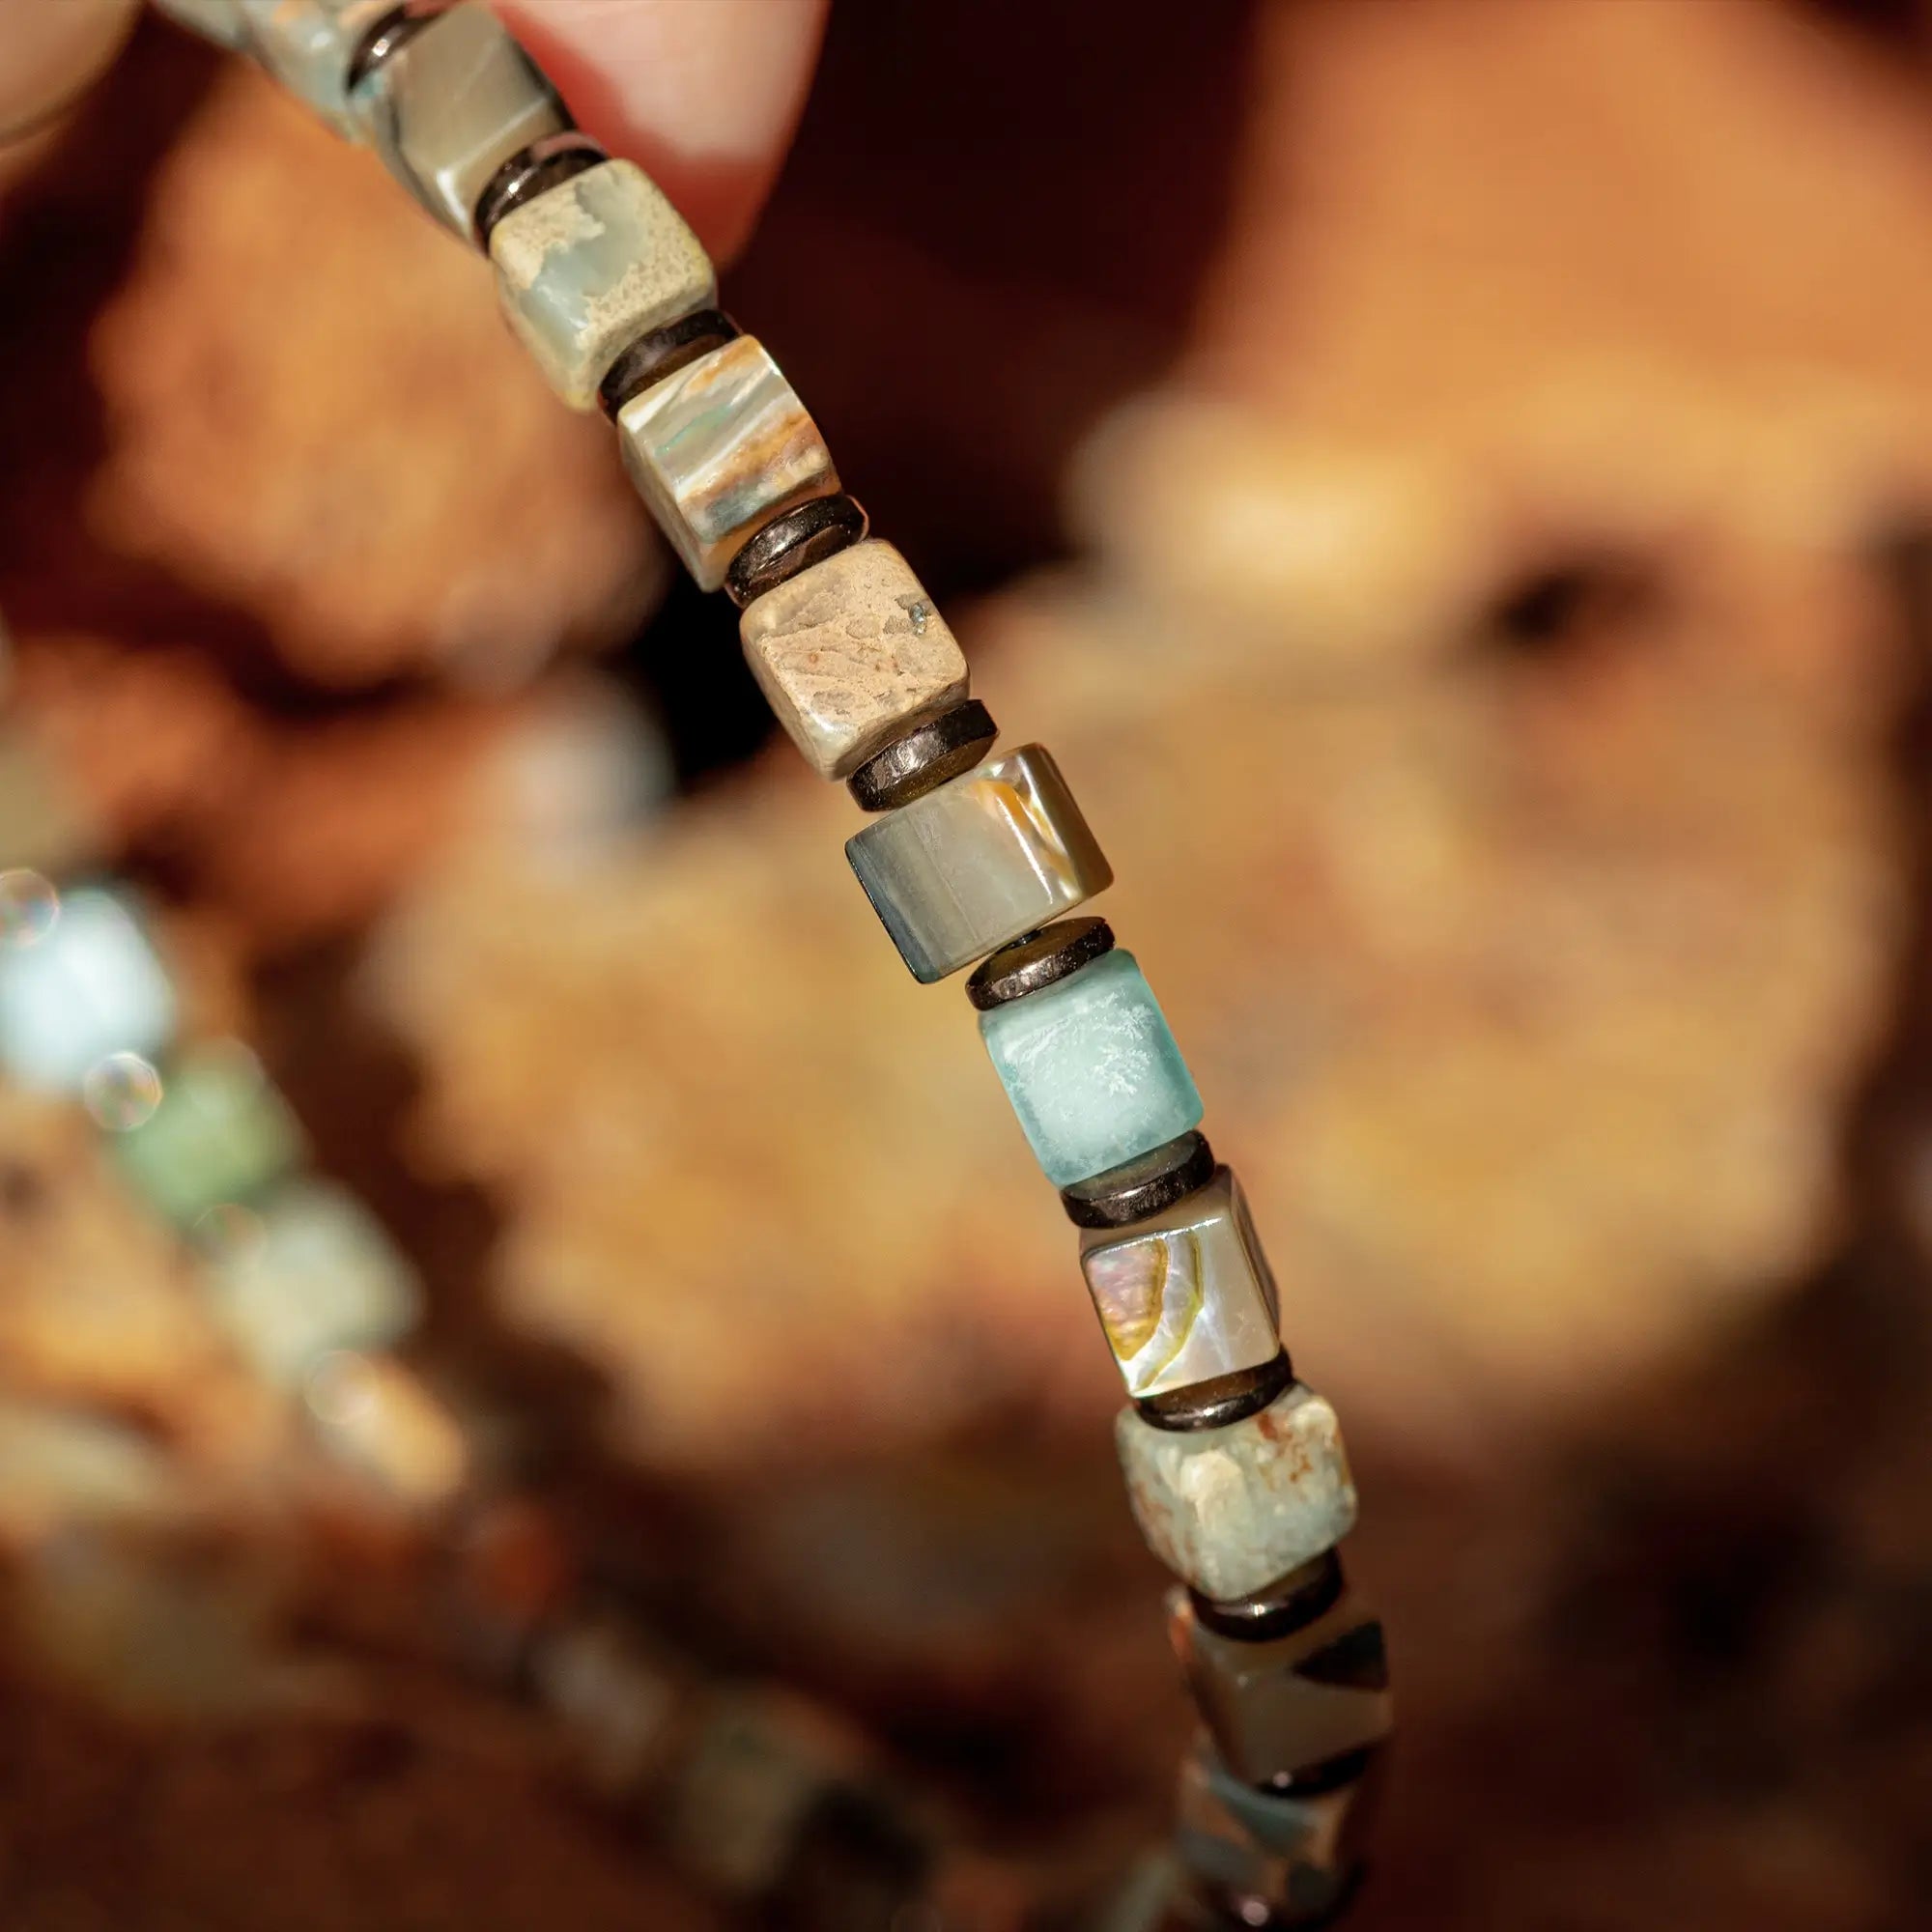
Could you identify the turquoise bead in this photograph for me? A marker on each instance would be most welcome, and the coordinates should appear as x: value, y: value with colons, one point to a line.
x: 1092, y: 1070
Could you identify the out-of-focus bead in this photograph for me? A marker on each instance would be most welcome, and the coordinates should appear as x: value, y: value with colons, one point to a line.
x: 450, y: 105
x: 717, y: 448
x: 977, y: 862
x: 1282, y: 1707
x: 378, y: 1417
x: 308, y: 45
x: 221, y: 1133
x: 593, y: 263
x: 1188, y: 1295
x: 77, y: 986
x: 1296, y: 1858
x: 1229, y: 1510
x: 620, y: 1705
x: 1138, y: 1188
x: 850, y: 654
x: 925, y: 759
x: 218, y: 20
x: 1091, y: 1069
x: 792, y: 542
x: 308, y: 1273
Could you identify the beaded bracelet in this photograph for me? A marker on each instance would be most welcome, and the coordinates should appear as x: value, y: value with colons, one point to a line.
x: 1234, y: 1469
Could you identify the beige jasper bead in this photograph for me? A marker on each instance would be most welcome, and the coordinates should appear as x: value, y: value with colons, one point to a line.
x: 850, y: 655
x: 593, y: 264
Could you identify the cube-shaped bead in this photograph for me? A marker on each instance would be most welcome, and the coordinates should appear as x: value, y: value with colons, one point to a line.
x: 1279, y: 1708
x: 450, y: 106
x: 217, y: 20
x: 307, y: 46
x: 978, y: 862
x: 1230, y: 1510
x: 720, y: 447
x: 311, y: 1273
x: 591, y: 264
x: 220, y: 1134
x: 851, y: 654
x: 1096, y: 1078
x: 85, y: 985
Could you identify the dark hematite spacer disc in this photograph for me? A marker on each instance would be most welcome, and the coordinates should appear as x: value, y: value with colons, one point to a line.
x: 1131, y: 1192
x: 664, y: 352
x: 1038, y: 960
x: 386, y: 37
x: 1215, y: 1405
x: 530, y: 172
x: 805, y: 534
x: 922, y: 760
x: 1288, y: 1604
x: 1332, y: 1773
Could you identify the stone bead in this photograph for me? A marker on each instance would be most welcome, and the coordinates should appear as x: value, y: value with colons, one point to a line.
x: 1092, y: 1070
x: 717, y: 448
x: 450, y: 106
x: 591, y: 265
x: 84, y: 986
x: 1282, y: 1706
x: 1231, y: 1509
x: 220, y: 1134
x: 851, y: 654
x: 218, y: 20
x: 1188, y: 1295
x: 309, y: 1272
x: 978, y: 862
x: 1299, y: 1855
x: 308, y: 45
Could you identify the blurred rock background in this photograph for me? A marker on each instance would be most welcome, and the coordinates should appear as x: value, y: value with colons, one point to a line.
x: 1449, y: 482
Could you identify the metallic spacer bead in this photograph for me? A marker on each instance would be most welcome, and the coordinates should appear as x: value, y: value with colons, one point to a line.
x: 1217, y: 1404
x: 1156, y: 1180
x: 793, y: 542
x: 922, y: 760
x: 541, y: 166
x: 1038, y: 960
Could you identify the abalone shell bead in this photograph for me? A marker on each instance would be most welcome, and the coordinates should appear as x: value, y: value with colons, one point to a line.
x: 850, y: 654
x: 1186, y: 1295
x: 449, y: 105
x: 1283, y: 1708
x: 221, y: 1133
x: 717, y: 448
x: 1229, y: 1510
x: 978, y: 862
x: 1091, y: 1069
x: 85, y: 985
x: 308, y: 45
x: 591, y: 264
x: 306, y: 1272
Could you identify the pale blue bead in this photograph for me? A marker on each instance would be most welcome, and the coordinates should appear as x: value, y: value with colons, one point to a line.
x: 87, y: 987
x: 1092, y: 1070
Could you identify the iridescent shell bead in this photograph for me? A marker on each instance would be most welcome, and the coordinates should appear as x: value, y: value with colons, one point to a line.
x: 591, y: 265
x: 978, y: 862
x: 1186, y: 1295
x: 718, y: 448
x: 1231, y: 1509
x: 1092, y: 1070
x: 851, y: 654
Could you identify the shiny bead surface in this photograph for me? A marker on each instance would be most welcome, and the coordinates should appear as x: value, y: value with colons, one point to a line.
x: 1278, y: 1707
x: 220, y: 1134
x: 925, y: 759
x: 850, y: 654
x: 1092, y: 1070
x: 1140, y: 1188
x: 1229, y: 1510
x: 532, y: 172
x: 1221, y: 1401
x: 450, y: 106
x: 1032, y: 964
x: 792, y: 542
x: 1186, y: 1295
x: 717, y: 448
x: 309, y: 1271
x: 589, y: 264
x: 308, y: 45
x: 647, y: 359
x: 80, y: 985
x: 977, y: 862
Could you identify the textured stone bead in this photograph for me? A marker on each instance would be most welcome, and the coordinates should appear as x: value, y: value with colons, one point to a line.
x: 450, y: 106
x: 1282, y: 1706
x: 1299, y: 1855
x: 1188, y: 1295
x: 717, y: 448
x: 592, y: 264
x: 1231, y: 1509
x: 1092, y: 1070
x: 307, y: 46
x: 220, y: 1134
x: 851, y: 654
x: 978, y: 862
x: 309, y: 1272
x: 84, y: 986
